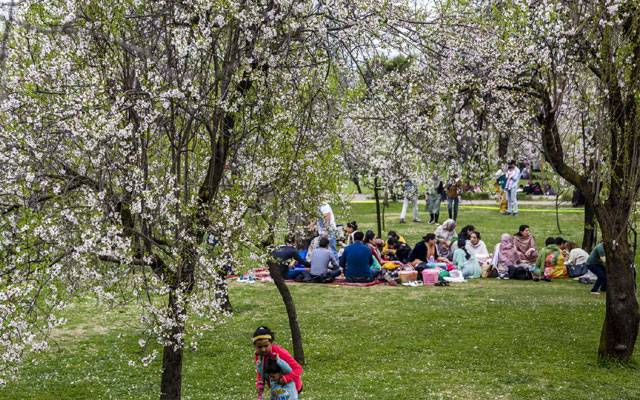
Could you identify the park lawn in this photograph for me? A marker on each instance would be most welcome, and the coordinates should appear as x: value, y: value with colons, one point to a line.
x: 484, y: 339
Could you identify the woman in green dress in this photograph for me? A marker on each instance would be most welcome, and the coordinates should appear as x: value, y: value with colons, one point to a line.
x: 465, y: 262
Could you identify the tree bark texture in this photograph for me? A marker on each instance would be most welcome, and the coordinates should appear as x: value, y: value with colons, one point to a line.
x: 171, y: 381
x: 296, y: 335
x: 589, y: 232
x: 620, y: 328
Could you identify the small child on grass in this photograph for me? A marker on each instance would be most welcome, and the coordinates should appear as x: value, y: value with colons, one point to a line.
x: 275, y: 369
x: 286, y: 369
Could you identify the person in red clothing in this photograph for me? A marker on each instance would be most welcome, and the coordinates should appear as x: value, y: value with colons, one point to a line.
x: 265, y: 349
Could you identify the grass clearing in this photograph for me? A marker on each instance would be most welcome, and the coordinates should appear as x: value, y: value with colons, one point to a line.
x: 484, y: 339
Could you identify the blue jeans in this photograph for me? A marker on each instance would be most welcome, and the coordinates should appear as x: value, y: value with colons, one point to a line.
x: 452, y: 206
x: 332, y: 244
x: 292, y: 273
x: 512, y: 200
x: 601, y: 282
x: 372, y: 275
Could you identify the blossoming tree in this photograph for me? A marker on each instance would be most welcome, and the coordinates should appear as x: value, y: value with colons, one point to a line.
x: 135, y: 132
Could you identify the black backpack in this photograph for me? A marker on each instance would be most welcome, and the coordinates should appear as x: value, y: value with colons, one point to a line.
x: 520, y: 273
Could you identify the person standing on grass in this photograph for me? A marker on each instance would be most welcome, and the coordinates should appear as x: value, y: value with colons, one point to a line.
x: 410, y: 193
x: 327, y: 226
x: 266, y: 350
x: 596, y: 264
x: 501, y: 182
x: 453, y: 196
x: 433, y: 202
x: 511, y: 187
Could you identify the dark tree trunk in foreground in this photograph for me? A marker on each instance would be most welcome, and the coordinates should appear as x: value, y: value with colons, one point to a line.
x: 171, y: 381
x: 296, y: 335
x: 589, y: 233
x: 620, y: 328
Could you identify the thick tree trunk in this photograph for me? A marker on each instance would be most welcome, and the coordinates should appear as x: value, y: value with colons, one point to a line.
x: 620, y: 329
x: 296, y: 335
x: 171, y: 381
x: 588, y: 235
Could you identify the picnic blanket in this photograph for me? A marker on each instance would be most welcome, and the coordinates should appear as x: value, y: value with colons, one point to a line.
x: 343, y: 282
x: 262, y: 275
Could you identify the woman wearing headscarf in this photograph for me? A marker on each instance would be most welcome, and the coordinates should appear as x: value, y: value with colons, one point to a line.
x: 433, y: 204
x: 507, y: 255
x: 447, y: 231
x: 525, y: 245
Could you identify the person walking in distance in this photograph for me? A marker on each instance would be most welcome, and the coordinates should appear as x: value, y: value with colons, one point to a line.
x: 410, y: 194
x: 433, y: 203
x: 511, y: 187
x: 453, y: 196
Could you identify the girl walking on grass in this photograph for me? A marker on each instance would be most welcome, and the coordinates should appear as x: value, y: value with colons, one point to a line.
x: 267, y: 353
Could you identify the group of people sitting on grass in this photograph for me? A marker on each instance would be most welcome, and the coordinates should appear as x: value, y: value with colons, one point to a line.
x: 459, y: 256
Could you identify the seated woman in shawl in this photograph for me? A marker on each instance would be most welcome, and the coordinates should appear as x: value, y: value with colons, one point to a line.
x: 550, y: 263
x: 476, y: 247
x: 369, y: 240
x: 447, y: 231
x: 466, y: 262
x: 507, y: 255
x: 525, y: 245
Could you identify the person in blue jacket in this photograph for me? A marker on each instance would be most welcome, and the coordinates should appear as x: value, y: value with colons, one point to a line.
x: 356, y: 261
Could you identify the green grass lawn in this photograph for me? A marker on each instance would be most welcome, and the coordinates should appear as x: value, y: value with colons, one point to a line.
x: 484, y: 339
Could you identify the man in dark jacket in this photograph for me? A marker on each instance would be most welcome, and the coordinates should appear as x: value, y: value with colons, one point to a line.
x: 286, y: 253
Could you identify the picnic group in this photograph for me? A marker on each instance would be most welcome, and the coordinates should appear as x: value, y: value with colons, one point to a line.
x: 443, y: 256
